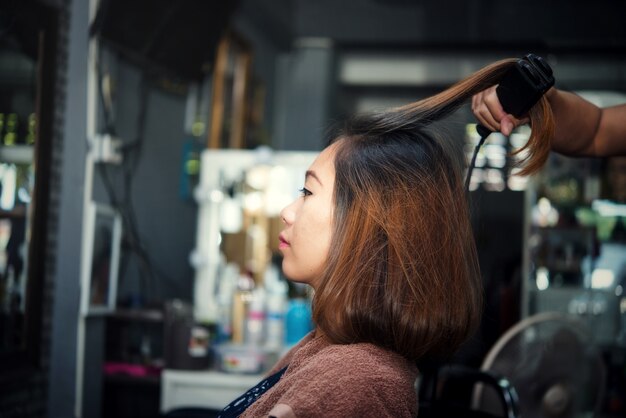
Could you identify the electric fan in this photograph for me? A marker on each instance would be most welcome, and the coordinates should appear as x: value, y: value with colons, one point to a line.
x: 552, y: 364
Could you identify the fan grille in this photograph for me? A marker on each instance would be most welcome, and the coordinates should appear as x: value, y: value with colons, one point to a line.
x: 551, y: 363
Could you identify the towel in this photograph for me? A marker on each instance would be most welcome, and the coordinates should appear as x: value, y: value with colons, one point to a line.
x: 340, y: 380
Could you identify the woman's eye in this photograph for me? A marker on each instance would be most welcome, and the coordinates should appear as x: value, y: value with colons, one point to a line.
x: 305, y: 192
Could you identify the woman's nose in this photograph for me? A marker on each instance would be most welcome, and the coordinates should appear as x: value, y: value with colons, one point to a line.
x: 288, y: 213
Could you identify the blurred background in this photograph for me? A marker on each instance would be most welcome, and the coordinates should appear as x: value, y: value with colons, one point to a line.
x: 147, y: 146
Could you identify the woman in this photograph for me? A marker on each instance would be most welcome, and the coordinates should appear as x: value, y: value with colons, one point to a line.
x: 382, y: 234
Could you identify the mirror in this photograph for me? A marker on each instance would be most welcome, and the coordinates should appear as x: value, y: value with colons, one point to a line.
x: 105, y: 234
x: 27, y: 78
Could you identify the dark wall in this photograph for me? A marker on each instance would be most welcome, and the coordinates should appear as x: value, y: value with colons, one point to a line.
x: 563, y: 22
x: 273, y: 21
x: 359, y: 21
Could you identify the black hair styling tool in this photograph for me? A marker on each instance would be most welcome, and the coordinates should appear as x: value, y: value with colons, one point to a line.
x: 520, y: 88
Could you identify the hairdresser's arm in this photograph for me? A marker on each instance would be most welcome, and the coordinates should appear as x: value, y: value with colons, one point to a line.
x: 581, y: 128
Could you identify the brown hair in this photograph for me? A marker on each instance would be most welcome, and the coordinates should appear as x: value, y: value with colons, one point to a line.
x: 403, y: 271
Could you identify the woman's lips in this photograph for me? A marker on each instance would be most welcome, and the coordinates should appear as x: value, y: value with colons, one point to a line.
x: 282, y: 242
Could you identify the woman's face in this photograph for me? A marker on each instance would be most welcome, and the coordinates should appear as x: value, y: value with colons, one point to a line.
x: 305, y: 240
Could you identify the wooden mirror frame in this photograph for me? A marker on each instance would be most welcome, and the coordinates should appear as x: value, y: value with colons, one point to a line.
x: 231, y: 76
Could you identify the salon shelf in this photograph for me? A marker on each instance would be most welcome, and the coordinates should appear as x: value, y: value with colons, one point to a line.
x: 137, y: 315
x: 17, y: 154
x: 131, y: 378
x: 15, y: 213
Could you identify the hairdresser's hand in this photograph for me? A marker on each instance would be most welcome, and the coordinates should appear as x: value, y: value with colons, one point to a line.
x: 489, y: 112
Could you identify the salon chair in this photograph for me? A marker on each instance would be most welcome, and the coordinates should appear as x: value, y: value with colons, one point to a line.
x: 450, y: 391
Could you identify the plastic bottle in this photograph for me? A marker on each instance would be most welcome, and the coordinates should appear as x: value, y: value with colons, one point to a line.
x: 298, y: 320
x: 276, y: 307
x: 241, y: 304
x: 256, y: 318
x: 225, y: 297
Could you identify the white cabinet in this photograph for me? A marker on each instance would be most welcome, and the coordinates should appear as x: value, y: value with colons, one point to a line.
x: 203, y: 389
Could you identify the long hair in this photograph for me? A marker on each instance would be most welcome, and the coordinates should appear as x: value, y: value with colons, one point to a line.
x: 403, y: 271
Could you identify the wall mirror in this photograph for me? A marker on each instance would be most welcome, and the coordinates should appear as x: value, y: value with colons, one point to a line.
x: 28, y: 37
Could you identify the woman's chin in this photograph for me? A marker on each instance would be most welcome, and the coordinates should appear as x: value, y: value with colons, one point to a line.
x: 293, y: 276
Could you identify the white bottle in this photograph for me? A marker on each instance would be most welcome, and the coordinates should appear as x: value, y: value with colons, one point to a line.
x: 241, y: 303
x: 225, y: 295
x: 256, y: 318
x: 276, y: 307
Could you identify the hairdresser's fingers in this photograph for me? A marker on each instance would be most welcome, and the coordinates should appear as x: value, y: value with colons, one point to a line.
x: 488, y: 106
x: 510, y: 122
x: 482, y: 112
x: 478, y: 108
x: 494, y: 108
x: 507, y: 124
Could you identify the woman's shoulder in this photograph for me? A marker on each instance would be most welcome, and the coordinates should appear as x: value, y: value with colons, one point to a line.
x: 325, y: 379
x: 351, y: 380
x: 358, y: 361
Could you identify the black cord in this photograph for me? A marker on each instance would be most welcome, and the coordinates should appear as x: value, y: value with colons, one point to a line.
x: 131, y: 235
x: 123, y: 202
x: 146, y: 266
x: 124, y: 206
x: 484, y: 133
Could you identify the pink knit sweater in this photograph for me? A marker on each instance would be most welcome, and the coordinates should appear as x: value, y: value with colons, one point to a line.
x: 332, y: 380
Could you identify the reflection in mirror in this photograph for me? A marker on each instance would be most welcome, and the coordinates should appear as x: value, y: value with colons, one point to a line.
x: 17, y: 136
x: 28, y: 86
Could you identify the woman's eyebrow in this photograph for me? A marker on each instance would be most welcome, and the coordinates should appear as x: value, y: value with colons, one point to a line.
x: 311, y: 173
